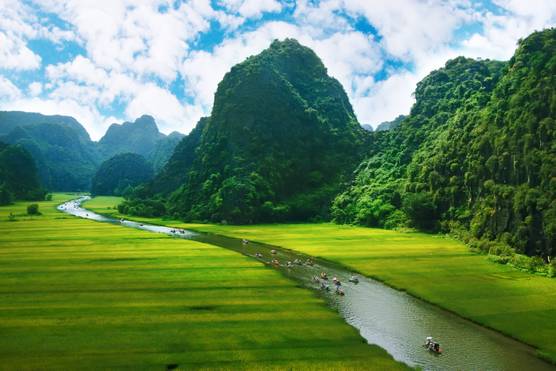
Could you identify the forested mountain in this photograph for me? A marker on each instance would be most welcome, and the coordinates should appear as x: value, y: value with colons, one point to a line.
x: 65, y: 156
x: 387, y: 125
x: 118, y: 173
x: 18, y: 175
x: 163, y: 150
x: 477, y: 151
x: 281, y: 138
x: 141, y: 137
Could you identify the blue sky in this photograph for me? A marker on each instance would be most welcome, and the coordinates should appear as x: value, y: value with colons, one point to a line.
x: 111, y: 61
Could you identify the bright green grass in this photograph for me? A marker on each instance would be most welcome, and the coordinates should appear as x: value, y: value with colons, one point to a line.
x: 438, y: 269
x: 77, y: 294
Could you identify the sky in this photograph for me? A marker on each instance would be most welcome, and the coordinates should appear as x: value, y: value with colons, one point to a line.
x: 106, y: 61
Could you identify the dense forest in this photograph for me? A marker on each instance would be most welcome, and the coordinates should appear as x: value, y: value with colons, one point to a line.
x: 119, y: 173
x: 65, y: 155
x: 477, y: 153
x: 18, y: 175
x: 281, y: 139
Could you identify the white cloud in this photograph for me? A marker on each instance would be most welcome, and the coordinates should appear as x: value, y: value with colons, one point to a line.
x: 203, y: 70
x: 135, y: 49
x: 35, y: 88
x: 170, y: 114
x: 386, y: 99
x: 95, y: 123
x: 8, y: 90
x: 135, y: 36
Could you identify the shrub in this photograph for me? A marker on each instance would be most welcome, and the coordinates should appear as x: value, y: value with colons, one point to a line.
x: 421, y: 210
x: 33, y: 209
x: 552, y: 268
x: 48, y: 197
x: 6, y: 197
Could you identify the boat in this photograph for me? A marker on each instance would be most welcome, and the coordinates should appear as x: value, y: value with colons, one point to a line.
x: 432, y: 345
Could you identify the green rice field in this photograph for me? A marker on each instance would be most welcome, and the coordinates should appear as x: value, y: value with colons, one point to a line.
x: 78, y: 294
x: 433, y: 267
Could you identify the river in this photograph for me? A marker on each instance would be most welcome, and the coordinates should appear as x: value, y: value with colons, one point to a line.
x: 391, y: 319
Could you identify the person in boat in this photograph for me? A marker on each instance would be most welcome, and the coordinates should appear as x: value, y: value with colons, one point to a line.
x: 273, y: 252
x: 258, y: 255
x: 336, y: 281
x: 309, y: 262
x: 289, y: 264
x: 244, y: 241
x: 354, y: 279
x: 323, y: 275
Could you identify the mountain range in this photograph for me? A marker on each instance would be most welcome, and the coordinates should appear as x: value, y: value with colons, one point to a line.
x: 475, y: 156
x: 65, y: 155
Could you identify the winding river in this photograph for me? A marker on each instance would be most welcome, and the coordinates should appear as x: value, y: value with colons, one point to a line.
x: 386, y: 317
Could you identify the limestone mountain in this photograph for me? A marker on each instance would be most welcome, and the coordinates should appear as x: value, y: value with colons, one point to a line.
x: 281, y: 139
x: 64, y: 154
x: 477, y: 152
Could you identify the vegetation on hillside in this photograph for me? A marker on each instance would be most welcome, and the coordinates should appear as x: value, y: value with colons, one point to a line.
x: 119, y: 173
x: 281, y: 139
x: 477, y: 152
x: 18, y: 175
x: 66, y: 157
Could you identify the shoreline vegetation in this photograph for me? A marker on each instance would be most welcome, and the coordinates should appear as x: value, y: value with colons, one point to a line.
x: 93, y: 295
x: 435, y: 268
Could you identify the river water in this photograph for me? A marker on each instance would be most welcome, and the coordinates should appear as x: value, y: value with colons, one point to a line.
x: 391, y: 319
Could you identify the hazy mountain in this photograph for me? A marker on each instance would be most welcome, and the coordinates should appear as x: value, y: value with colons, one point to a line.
x: 388, y: 125
x: 65, y: 156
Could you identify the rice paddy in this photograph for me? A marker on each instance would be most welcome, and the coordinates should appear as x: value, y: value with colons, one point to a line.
x: 433, y: 267
x: 76, y: 294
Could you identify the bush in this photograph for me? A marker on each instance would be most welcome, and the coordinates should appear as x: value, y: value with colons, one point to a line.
x: 33, y: 209
x: 552, y: 268
x: 421, y: 210
x: 6, y: 197
x: 48, y: 197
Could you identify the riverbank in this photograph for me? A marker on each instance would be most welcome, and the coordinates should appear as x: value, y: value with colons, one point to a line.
x: 81, y: 294
x: 435, y: 268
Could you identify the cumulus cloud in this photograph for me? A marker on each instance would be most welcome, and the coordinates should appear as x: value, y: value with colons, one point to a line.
x: 170, y: 114
x: 152, y: 56
x: 251, y: 8
x: 8, y: 90
x: 95, y: 123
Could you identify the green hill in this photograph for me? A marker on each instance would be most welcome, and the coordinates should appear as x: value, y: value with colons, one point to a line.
x: 281, y: 138
x: 115, y: 175
x: 476, y: 152
x: 66, y: 157
x: 18, y: 175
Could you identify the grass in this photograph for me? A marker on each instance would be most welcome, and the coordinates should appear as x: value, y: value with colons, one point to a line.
x: 438, y: 269
x: 77, y: 294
